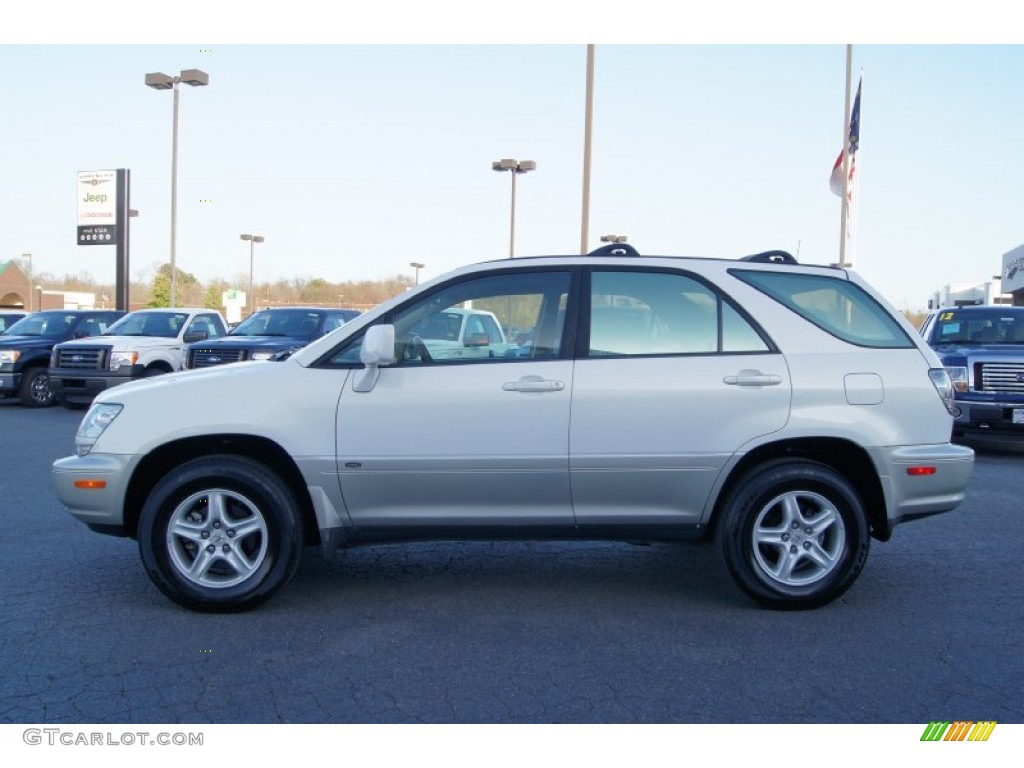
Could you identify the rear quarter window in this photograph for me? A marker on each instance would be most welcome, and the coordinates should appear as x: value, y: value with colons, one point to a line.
x: 837, y: 306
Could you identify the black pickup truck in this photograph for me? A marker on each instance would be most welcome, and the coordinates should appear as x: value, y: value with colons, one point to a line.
x: 270, y: 334
x: 25, y: 349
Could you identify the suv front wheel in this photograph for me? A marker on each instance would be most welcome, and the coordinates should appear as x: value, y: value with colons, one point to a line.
x: 220, y: 533
x: 794, y: 534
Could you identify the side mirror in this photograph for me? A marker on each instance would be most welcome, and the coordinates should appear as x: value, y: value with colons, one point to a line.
x: 477, y: 340
x: 378, y: 349
x: 193, y: 336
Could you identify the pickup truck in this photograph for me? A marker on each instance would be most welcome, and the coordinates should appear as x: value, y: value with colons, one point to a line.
x: 26, y: 345
x: 982, y: 349
x: 460, y: 333
x: 145, y: 343
x: 272, y: 333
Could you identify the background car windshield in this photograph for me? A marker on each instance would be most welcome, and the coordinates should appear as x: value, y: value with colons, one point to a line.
x: 48, y: 324
x: 162, y: 324
x: 300, y: 323
x: 998, y: 327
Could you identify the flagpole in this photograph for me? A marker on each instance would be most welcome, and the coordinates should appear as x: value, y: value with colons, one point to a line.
x: 845, y: 210
x: 855, y: 214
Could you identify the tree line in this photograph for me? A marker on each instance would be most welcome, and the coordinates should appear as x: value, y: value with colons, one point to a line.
x: 190, y: 291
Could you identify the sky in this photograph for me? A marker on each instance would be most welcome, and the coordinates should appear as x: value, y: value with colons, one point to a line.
x: 360, y: 149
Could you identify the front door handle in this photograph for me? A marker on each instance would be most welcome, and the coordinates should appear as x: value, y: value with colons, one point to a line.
x: 749, y: 378
x: 533, y: 384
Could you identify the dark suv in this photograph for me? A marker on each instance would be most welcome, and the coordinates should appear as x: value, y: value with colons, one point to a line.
x: 268, y: 334
x: 25, y: 349
x: 982, y: 349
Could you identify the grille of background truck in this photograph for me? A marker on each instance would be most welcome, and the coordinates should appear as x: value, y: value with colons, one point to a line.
x: 1000, y: 377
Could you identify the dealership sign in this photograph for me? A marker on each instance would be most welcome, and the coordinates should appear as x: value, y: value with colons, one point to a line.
x: 97, y: 207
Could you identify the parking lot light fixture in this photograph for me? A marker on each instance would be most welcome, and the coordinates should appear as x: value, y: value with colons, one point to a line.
x: 253, y: 239
x: 417, y: 266
x: 161, y: 82
x: 516, y: 167
x: 613, y: 238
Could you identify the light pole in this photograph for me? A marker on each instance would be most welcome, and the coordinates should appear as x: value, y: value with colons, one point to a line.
x: 253, y: 239
x: 417, y: 266
x: 161, y: 82
x: 39, y: 290
x: 517, y: 167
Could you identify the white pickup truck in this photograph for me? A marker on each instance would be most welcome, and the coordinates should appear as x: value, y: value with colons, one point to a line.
x: 459, y: 333
x: 145, y: 343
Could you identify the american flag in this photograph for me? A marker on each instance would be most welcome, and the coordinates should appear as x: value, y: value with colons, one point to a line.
x: 835, y: 181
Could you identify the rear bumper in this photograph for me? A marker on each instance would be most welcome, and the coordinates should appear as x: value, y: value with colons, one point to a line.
x: 911, y: 496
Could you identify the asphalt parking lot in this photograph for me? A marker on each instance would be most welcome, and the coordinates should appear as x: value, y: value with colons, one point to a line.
x: 507, y: 633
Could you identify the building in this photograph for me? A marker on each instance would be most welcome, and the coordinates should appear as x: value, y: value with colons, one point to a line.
x: 15, y: 288
x: 1013, y: 275
x: 17, y: 292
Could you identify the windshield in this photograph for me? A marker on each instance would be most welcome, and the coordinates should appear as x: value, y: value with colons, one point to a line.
x: 161, y: 324
x: 52, y: 325
x: 296, y: 323
x: 998, y: 326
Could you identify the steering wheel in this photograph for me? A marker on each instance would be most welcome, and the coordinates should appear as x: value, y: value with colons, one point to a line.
x: 420, y: 349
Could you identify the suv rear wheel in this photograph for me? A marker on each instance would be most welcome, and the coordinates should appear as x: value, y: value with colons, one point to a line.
x: 220, y: 533
x: 794, y: 534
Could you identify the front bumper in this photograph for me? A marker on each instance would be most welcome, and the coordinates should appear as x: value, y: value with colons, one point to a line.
x: 101, y: 508
x: 990, y: 417
x: 9, y: 383
x: 80, y: 387
x: 911, y: 496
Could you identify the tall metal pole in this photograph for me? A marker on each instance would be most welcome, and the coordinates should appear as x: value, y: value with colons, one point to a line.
x: 585, y: 226
x: 512, y: 225
x: 845, y: 209
x: 174, y: 198
x: 252, y: 299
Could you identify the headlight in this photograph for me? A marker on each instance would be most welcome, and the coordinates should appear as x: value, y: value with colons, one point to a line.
x: 119, y: 360
x: 96, y: 421
x: 9, y: 356
x: 262, y: 355
x: 958, y: 376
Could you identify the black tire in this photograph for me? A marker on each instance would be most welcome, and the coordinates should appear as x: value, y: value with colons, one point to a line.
x: 794, y: 534
x: 239, y: 507
x: 34, y: 391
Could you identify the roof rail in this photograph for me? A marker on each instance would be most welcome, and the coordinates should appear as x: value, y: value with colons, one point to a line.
x: 614, y: 249
x: 772, y: 257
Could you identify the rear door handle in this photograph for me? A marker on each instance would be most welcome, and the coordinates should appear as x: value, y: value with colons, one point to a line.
x: 753, y: 379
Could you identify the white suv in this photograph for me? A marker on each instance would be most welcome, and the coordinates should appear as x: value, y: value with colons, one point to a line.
x: 784, y: 410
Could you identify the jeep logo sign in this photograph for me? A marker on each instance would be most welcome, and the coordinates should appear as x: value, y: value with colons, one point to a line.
x: 97, y: 208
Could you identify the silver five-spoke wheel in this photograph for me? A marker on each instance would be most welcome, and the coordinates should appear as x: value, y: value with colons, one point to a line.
x: 799, y: 538
x: 217, y: 538
x: 793, y: 533
x: 220, y: 532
